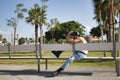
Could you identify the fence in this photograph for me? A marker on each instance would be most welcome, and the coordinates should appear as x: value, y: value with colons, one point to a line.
x: 114, y: 47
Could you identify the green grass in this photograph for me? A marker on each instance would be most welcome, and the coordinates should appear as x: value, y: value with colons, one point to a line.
x: 48, y: 53
x: 57, y: 62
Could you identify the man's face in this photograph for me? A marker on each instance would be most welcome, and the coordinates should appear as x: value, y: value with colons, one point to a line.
x: 75, y: 37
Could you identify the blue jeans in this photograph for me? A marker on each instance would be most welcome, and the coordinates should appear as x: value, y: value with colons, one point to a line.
x: 76, y: 56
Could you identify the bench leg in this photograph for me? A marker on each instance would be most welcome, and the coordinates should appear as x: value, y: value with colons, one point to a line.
x: 117, y: 67
x: 38, y: 65
x: 46, y: 63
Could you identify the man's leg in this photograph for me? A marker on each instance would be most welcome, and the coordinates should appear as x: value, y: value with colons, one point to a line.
x: 66, y: 64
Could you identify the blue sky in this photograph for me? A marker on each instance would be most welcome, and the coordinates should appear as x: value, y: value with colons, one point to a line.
x: 63, y: 10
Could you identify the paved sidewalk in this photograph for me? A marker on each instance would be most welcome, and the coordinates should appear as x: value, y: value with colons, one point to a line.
x: 12, y: 72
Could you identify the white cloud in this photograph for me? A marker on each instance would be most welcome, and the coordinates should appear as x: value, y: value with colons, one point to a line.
x: 87, y: 30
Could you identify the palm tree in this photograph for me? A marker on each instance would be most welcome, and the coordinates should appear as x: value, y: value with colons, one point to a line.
x: 108, y: 13
x: 114, y: 7
x: 42, y: 18
x: 98, y: 11
x: 53, y: 23
x: 43, y: 4
x: 37, y: 17
x: 13, y: 22
x: 41, y: 22
x: 20, y: 10
x: 33, y: 18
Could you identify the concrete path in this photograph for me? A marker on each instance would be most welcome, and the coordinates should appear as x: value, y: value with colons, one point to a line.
x: 12, y: 72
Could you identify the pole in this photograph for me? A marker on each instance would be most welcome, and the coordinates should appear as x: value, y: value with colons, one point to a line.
x: 9, y: 50
x: 119, y: 33
x: 73, y: 47
x: 117, y: 60
x: 119, y: 29
x: 38, y: 65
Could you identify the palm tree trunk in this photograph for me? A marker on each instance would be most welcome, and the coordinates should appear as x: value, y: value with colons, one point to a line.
x: 36, y: 39
x: 14, y: 35
x: 119, y: 36
x: 41, y: 42
x: 101, y: 28
x: 111, y: 21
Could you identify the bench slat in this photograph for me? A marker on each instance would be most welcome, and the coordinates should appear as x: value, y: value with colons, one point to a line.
x: 117, y: 46
x: 23, y: 48
x: 94, y: 46
x: 3, y: 49
x: 58, y: 47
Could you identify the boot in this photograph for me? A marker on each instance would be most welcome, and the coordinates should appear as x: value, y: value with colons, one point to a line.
x: 57, y: 72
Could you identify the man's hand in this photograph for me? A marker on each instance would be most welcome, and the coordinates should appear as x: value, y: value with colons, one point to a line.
x: 69, y: 33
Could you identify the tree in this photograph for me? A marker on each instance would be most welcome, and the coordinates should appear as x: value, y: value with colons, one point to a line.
x: 31, y: 40
x: 20, y: 10
x: 44, y: 6
x: 4, y: 41
x: 112, y: 7
x: 42, y: 18
x: 21, y: 41
x: 108, y: 8
x: 0, y: 37
x: 60, y: 30
x: 54, y: 25
x: 37, y: 18
x: 95, y: 32
x: 42, y: 21
x: 33, y: 17
x: 71, y: 25
x: 98, y: 10
x: 13, y: 22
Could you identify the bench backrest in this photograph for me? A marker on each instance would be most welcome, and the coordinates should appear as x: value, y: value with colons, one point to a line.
x: 62, y: 47
x: 80, y: 46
